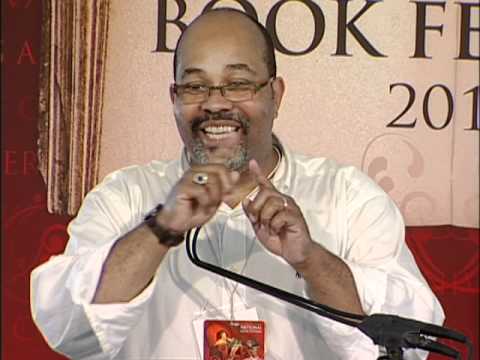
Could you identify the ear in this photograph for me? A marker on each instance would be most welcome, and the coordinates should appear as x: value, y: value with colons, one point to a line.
x: 278, y: 87
x: 172, y: 93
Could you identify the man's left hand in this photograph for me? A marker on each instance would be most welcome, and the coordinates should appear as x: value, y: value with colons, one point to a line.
x: 277, y: 220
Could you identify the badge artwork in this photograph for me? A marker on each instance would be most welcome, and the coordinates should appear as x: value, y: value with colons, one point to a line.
x: 234, y: 340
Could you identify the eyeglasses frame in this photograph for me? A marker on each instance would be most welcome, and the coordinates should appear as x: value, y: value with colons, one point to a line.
x: 221, y: 88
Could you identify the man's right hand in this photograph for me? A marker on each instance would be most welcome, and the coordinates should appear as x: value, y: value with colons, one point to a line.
x: 189, y: 204
x: 132, y: 263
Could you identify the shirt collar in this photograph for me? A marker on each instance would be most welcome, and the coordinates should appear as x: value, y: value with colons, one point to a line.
x: 283, y: 176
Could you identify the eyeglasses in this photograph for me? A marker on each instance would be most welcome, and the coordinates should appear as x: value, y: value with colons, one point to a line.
x: 236, y: 91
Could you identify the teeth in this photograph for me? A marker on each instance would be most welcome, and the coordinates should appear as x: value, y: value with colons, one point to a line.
x: 219, y: 129
x: 218, y: 136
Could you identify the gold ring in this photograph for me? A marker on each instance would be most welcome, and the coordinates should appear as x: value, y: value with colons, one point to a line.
x: 200, y: 178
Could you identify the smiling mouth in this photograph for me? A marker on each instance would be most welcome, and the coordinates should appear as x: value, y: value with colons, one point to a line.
x: 220, y: 132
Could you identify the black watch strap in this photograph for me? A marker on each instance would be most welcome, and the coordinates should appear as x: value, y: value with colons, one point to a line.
x: 164, y: 236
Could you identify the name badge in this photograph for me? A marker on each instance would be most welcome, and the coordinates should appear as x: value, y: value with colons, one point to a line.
x: 234, y: 340
x: 245, y: 336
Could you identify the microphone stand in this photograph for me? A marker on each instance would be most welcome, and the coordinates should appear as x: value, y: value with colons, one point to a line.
x: 390, y: 331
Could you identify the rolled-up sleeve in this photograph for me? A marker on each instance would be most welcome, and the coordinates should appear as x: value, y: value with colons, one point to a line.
x: 385, y: 273
x: 62, y: 289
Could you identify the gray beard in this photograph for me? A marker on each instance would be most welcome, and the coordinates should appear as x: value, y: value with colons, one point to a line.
x: 238, y: 162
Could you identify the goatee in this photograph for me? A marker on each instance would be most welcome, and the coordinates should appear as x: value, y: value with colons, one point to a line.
x: 241, y: 156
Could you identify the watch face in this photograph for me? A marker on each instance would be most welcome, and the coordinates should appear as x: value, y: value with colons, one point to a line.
x: 164, y: 236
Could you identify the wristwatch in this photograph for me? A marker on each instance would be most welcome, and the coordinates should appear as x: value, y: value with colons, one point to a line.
x: 165, y: 237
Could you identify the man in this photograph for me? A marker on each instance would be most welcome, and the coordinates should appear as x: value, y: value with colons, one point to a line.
x: 123, y: 289
x: 252, y: 350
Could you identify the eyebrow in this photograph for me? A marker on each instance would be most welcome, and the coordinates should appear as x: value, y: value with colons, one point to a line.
x: 189, y: 71
x: 241, y: 67
x: 230, y: 67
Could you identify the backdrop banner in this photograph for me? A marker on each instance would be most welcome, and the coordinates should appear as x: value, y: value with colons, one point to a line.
x: 389, y: 86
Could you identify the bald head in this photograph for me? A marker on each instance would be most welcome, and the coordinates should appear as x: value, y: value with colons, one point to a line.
x: 229, y: 26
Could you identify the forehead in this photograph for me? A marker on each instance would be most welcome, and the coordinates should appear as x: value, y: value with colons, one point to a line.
x: 222, y: 43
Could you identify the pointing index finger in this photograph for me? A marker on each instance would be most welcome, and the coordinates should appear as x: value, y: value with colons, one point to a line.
x: 260, y: 177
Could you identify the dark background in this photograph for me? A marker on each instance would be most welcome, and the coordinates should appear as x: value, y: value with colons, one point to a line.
x: 447, y: 255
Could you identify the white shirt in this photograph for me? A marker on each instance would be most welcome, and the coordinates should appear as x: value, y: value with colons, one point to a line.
x: 346, y: 212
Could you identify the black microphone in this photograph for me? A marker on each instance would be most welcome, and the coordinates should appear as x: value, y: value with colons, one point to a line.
x: 421, y: 342
x: 390, y: 331
x: 393, y: 331
x: 376, y: 323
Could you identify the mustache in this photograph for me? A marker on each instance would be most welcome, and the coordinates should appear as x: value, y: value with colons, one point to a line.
x: 221, y: 115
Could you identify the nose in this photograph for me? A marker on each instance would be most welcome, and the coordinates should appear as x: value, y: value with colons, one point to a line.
x: 216, y: 102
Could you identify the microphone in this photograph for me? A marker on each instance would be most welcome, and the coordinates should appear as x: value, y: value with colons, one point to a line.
x: 390, y: 331
x: 395, y: 332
